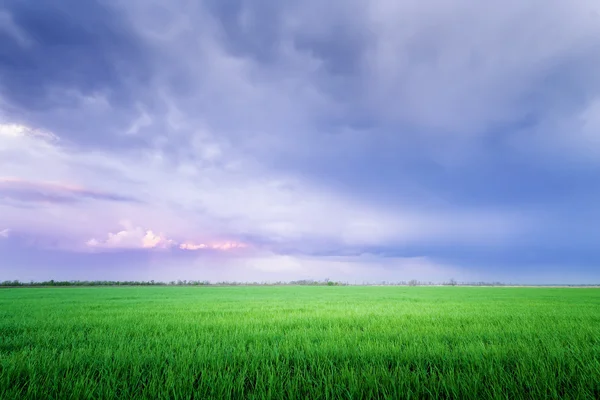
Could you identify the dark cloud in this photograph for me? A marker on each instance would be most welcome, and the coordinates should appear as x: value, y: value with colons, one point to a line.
x: 243, y: 28
x: 19, y: 191
x: 77, y: 62
x: 84, y: 47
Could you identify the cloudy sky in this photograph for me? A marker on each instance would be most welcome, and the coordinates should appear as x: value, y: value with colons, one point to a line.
x: 277, y: 140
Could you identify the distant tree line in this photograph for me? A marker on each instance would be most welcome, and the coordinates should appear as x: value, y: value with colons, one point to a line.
x: 302, y: 282
x: 52, y: 282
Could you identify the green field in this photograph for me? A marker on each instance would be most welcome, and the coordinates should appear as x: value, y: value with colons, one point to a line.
x: 299, y: 342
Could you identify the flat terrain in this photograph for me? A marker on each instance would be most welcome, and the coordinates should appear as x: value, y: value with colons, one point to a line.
x: 299, y: 342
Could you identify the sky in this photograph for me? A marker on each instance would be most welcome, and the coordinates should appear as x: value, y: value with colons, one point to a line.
x: 259, y: 141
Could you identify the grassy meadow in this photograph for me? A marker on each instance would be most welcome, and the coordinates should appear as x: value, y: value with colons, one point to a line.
x: 299, y: 342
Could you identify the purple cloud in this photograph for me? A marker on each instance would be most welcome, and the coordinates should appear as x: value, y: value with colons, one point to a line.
x: 20, y: 190
x: 301, y: 134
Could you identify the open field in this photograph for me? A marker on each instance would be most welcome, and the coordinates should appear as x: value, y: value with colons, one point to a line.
x: 299, y: 342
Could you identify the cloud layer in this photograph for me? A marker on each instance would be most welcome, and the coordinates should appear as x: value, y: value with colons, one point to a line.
x: 463, y: 134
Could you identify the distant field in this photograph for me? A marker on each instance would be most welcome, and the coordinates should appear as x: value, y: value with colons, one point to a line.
x: 299, y: 342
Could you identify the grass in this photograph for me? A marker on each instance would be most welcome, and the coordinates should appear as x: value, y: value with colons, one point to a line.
x: 299, y: 342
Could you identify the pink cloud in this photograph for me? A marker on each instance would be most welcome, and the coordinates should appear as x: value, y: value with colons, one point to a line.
x: 4, y: 233
x: 132, y: 238
x: 213, y: 246
x: 138, y: 238
x: 18, y: 182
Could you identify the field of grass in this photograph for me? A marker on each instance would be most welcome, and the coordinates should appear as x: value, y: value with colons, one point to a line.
x: 299, y: 342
